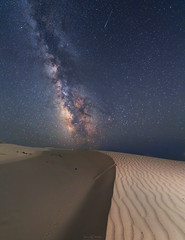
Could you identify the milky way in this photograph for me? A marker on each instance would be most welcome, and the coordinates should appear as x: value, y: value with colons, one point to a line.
x: 81, y: 73
x: 75, y: 109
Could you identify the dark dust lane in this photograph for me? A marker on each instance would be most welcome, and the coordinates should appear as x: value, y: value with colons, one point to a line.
x: 59, y: 195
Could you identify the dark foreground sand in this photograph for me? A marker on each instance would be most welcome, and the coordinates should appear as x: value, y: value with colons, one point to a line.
x: 54, y: 194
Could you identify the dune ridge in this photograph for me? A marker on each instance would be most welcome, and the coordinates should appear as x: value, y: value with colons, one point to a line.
x: 57, y: 194
x: 54, y: 194
x: 148, y: 199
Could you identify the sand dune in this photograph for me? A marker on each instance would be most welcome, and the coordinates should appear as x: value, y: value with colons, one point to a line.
x: 49, y: 194
x: 54, y: 194
x: 148, y: 199
x: 12, y: 153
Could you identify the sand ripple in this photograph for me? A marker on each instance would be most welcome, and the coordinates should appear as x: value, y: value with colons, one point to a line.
x: 148, y: 200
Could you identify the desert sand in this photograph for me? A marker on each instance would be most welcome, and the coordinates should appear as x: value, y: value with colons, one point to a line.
x: 54, y: 194
x: 148, y: 199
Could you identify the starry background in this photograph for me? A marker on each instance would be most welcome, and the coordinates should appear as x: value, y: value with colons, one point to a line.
x: 126, y: 60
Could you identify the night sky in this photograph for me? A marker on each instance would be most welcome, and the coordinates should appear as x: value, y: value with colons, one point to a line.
x: 94, y: 74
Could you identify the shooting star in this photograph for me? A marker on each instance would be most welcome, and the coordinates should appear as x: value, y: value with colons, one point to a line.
x: 108, y: 19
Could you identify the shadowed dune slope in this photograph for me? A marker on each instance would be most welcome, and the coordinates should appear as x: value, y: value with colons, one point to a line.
x: 55, y: 194
x: 148, y: 199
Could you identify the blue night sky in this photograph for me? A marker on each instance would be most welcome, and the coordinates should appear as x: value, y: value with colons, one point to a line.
x: 94, y: 74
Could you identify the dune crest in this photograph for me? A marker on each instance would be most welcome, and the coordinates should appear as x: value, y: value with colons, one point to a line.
x: 54, y: 194
x: 148, y: 199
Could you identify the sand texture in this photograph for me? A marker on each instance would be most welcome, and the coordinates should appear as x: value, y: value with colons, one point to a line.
x: 148, y: 199
x: 13, y: 153
x: 54, y: 194
x: 48, y: 194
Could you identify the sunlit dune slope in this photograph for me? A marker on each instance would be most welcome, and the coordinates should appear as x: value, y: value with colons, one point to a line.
x: 148, y: 199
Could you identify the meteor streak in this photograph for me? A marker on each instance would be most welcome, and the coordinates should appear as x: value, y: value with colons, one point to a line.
x: 108, y: 19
